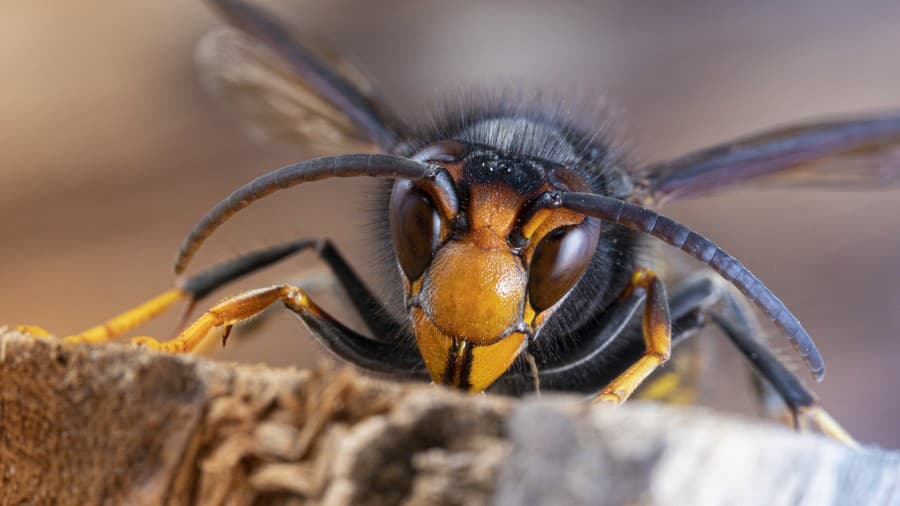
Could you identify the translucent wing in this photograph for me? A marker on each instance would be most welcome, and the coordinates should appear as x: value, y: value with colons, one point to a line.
x: 286, y: 92
x: 855, y: 153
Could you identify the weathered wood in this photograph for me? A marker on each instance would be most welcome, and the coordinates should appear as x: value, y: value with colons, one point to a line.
x: 111, y: 425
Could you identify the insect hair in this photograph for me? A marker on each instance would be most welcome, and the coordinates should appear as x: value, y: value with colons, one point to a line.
x: 530, y: 125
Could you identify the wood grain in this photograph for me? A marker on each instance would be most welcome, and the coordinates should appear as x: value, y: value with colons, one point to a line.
x: 113, y: 425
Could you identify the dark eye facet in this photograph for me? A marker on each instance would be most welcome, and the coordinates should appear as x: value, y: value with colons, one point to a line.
x: 415, y: 228
x: 559, y: 261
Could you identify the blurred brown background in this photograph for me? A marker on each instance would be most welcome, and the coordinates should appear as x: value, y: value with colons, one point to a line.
x: 111, y: 151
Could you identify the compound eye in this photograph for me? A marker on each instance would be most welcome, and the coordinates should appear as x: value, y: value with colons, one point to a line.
x: 442, y: 152
x: 415, y: 228
x: 559, y: 261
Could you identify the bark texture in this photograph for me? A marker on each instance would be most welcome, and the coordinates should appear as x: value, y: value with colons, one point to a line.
x: 112, y: 425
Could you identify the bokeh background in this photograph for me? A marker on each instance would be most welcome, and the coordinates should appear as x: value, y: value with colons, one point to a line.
x: 110, y: 151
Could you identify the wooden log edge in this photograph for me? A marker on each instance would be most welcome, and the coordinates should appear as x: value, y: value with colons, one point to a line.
x: 114, y: 425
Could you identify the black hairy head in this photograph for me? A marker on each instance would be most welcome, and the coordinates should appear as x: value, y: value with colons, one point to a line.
x: 512, y: 128
x: 523, y: 126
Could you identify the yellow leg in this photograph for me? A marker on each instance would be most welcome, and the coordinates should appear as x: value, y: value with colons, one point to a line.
x: 679, y: 384
x: 828, y: 425
x: 128, y: 320
x: 657, y: 331
x: 117, y: 325
x: 192, y: 289
x: 34, y: 331
x: 228, y: 313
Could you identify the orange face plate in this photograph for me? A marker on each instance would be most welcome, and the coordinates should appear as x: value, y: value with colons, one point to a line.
x: 461, y: 363
x: 469, y: 309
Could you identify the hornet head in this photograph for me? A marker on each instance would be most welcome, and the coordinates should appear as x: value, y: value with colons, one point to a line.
x: 486, y: 258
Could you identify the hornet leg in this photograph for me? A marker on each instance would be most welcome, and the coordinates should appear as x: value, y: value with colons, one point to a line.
x: 657, y: 331
x: 195, y: 288
x: 394, y: 359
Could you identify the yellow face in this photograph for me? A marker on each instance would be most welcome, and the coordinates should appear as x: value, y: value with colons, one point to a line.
x: 481, y: 283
